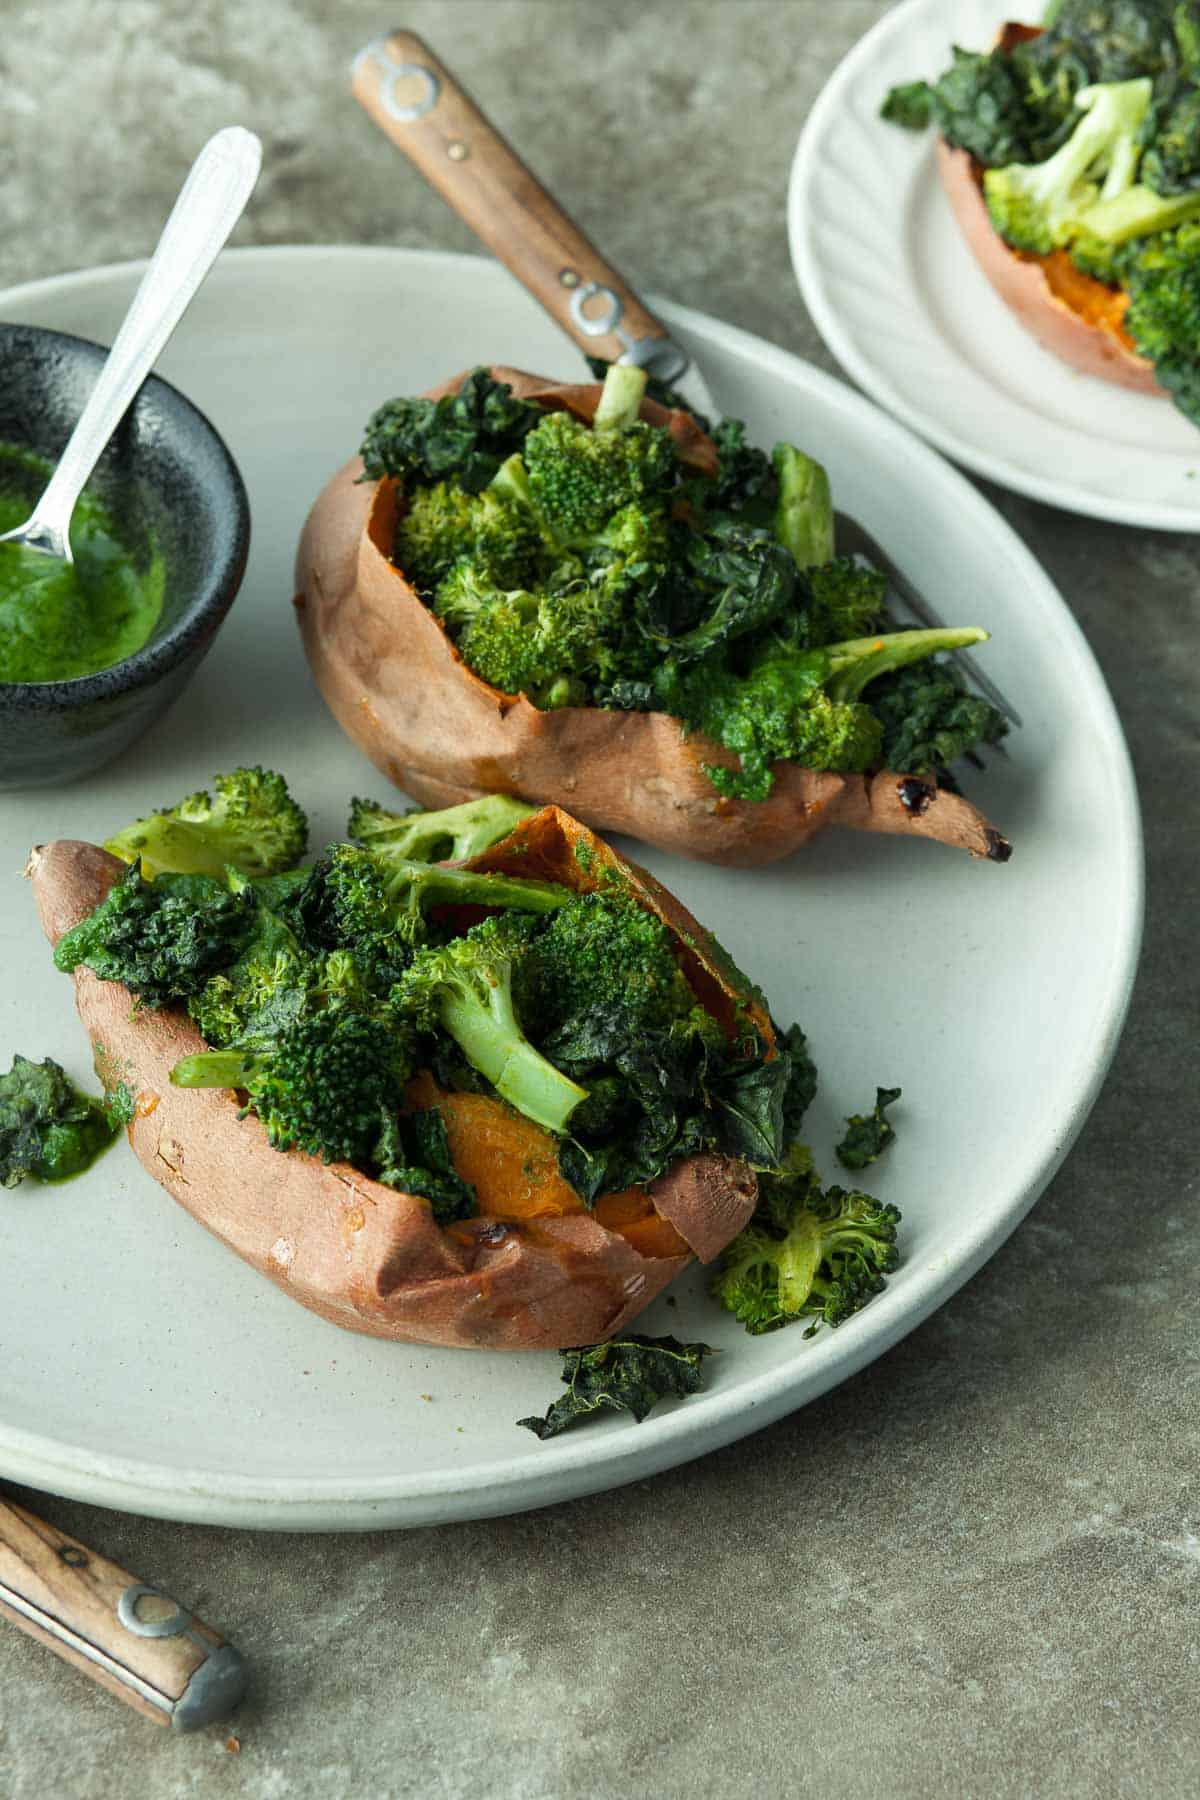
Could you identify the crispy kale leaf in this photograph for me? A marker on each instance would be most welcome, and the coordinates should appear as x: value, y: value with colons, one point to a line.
x: 414, y: 1158
x: 930, y: 719
x: 467, y: 435
x: 630, y: 1374
x: 162, y: 938
x: 48, y: 1129
x: 868, y: 1136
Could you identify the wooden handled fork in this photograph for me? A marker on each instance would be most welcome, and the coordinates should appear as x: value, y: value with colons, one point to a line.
x: 125, y: 1634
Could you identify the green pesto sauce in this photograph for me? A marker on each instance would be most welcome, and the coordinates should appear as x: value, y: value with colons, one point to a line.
x: 60, y: 620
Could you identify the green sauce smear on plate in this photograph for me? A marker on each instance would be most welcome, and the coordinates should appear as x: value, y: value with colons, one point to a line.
x: 61, y: 620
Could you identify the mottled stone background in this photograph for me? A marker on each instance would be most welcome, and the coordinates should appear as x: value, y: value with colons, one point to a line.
x: 974, y: 1570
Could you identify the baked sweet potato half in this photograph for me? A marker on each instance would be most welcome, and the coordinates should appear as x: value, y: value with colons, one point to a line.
x: 533, y: 1269
x: 398, y: 686
x: 1070, y: 313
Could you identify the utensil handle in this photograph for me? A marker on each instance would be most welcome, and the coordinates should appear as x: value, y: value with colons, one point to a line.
x: 210, y: 204
x: 132, y: 1639
x: 415, y: 100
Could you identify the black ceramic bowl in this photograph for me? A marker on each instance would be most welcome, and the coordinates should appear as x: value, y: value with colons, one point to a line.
x: 175, y: 491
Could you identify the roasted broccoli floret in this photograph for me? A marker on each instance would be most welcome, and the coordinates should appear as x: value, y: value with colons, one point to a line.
x: 600, y: 951
x: 443, y: 524
x: 465, y: 987
x: 806, y: 1253
x: 1041, y: 206
x: 162, y: 938
x: 1162, y: 275
x: 465, y: 435
x: 846, y: 600
x: 452, y: 834
x: 48, y: 1129
x: 250, y: 822
x: 579, y: 476
x: 325, y: 1084
x: 868, y: 1135
x: 540, y: 644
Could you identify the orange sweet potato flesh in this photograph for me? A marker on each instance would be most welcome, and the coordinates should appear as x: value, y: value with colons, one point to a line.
x: 1076, y: 317
x: 396, y: 684
x: 534, y: 1273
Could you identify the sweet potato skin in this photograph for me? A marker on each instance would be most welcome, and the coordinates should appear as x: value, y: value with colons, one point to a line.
x: 360, y: 1254
x: 398, y: 687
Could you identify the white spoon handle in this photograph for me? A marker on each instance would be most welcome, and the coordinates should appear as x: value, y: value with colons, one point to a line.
x: 210, y: 204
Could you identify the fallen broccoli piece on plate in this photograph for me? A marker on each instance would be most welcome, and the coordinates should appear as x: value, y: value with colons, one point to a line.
x: 808, y: 1253
x: 868, y: 1135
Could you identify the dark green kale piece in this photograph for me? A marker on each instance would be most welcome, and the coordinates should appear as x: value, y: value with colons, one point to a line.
x: 630, y: 1374
x: 414, y: 1158
x: 930, y: 719
x: 909, y: 104
x: 48, y: 1129
x: 467, y: 435
x: 868, y: 1135
x: 162, y: 938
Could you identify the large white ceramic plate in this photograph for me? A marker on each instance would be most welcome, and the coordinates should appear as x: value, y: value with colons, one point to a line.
x: 900, y: 301
x: 143, y: 1366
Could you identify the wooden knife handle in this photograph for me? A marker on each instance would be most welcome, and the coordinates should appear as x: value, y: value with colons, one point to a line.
x: 133, y: 1640
x: 414, y: 98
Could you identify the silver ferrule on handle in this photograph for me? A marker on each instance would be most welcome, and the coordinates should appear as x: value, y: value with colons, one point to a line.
x: 210, y: 204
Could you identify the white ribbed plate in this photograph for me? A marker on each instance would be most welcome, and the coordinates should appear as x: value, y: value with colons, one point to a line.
x: 898, y: 298
x: 143, y: 1366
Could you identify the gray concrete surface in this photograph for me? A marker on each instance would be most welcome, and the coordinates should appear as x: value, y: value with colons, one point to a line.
x: 974, y: 1570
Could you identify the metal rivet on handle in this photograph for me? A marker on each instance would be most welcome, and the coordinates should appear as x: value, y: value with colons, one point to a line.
x: 393, y: 74
x: 127, y: 1612
x: 457, y: 151
x: 607, y: 321
x: 73, y: 1556
x: 568, y: 278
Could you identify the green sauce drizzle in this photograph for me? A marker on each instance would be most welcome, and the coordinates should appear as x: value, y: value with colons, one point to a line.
x: 60, y: 620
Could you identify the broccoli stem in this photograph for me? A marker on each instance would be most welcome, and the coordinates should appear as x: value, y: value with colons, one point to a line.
x: 487, y: 1031
x: 861, y: 660
x: 799, y: 1260
x: 451, y: 834
x: 511, y: 483
x: 1138, y: 212
x: 437, y: 885
x: 621, y: 400
x: 212, y: 1068
x: 803, y: 521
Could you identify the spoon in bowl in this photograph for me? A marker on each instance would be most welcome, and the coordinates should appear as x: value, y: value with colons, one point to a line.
x: 210, y: 204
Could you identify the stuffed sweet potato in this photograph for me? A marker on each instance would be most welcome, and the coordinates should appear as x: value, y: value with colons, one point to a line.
x: 1070, y: 159
x: 528, y: 1265
x: 404, y: 688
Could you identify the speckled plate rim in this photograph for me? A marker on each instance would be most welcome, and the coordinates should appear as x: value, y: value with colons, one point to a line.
x: 589, y: 1463
x: 820, y: 295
